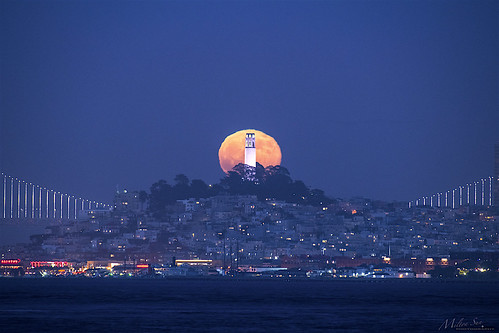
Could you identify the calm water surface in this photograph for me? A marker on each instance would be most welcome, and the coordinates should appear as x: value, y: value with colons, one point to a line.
x: 215, y: 305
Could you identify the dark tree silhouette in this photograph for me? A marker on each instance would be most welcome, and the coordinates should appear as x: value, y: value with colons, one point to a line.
x: 273, y: 182
x: 199, y: 189
x: 143, y: 196
x: 161, y: 195
x: 181, y: 180
x: 181, y: 188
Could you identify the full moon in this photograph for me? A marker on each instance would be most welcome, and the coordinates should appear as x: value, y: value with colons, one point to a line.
x: 231, y: 152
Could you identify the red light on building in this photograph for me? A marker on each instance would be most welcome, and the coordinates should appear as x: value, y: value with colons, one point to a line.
x: 10, y: 261
x: 143, y: 266
x: 35, y: 264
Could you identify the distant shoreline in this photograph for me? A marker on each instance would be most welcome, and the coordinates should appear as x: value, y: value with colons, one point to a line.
x: 225, y: 278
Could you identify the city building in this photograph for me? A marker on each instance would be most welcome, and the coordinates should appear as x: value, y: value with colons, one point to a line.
x: 127, y: 201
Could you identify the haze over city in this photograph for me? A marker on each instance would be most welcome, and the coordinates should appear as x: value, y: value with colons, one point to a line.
x: 388, y: 100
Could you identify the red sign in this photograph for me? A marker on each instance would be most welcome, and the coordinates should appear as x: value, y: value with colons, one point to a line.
x: 49, y: 264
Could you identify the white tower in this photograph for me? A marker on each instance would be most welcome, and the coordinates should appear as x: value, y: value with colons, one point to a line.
x: 250, y: 150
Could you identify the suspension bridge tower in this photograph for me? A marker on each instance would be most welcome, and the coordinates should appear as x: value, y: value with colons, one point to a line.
x: 496, y: 175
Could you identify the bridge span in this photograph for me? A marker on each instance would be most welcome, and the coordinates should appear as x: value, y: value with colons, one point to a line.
x: 22, y: 199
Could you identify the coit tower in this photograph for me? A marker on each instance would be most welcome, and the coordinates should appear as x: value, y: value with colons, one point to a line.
x: 250, y: 150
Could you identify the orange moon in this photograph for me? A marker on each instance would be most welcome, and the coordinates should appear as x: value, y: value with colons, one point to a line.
x: 231, y: 152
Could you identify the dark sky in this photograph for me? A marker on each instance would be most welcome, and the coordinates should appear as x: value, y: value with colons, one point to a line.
x: 383, y: 99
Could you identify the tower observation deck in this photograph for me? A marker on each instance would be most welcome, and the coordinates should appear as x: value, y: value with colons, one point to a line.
x: 250, y: 150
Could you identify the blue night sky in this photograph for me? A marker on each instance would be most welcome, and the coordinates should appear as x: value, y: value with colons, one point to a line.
x: 382, y: 99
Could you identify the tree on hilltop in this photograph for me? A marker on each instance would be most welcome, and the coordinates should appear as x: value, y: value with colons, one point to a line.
x: 272, y: 182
